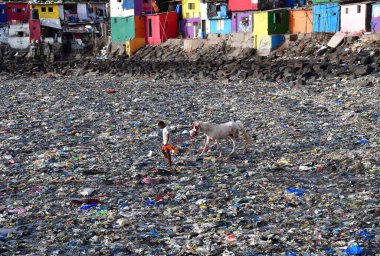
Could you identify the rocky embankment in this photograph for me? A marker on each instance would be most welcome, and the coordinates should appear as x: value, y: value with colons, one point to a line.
x: 301, y: 61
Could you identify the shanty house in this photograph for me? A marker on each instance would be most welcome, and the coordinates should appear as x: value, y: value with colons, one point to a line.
x: 93, y: 11
x: 127, y: 22
x: 220, y: 23
x: 47, y: 11
x: 191, y: 27
x: 205, y: 22
x: 253, y: 5
x: 220, y: 26
x: 242, y: 22
x: 3, y: 13
x: 269, y: 27
x: 125, y: 28
x: 375, y: 19
x: 191, y: 9
x: 18, y: 11
x: 360, y: 13
x: 326, y: 17
x: 300, y: 21
x: 243, y: 5
x: 160, y: 27
x: 125, y: 8
x: 18, y: 37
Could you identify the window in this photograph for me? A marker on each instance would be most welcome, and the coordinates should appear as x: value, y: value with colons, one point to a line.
x: 114, y: 20
x: 191, y: 6
x: 20, y: 33
x: 101, y: 12
x: 119, y: 1
x: 150, y: 32
x: 16, y: 10
x: 359, y: 8
x: 50, y: 9
x: 220, y: 25
x: 346, y: 10
x: 2, y: 11
x: 245, y: 21
x: 187, y: 15
x: 43, y: 9
x: 277, y: 18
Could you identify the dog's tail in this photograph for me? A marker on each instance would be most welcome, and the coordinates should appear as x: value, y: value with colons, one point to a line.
x: 247, y: 138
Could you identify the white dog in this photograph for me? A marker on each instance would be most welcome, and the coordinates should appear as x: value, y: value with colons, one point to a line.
x: 220, y: 131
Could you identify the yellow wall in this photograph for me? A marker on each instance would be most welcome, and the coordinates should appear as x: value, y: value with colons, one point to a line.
x: 193, y: 13
x: 53, y: 14
x: 260, y: 23
x: 260, y: 29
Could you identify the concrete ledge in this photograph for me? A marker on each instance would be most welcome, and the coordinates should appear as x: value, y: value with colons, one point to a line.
x: 371, y: 37
x: 240, y: 40
x: 193, y: 44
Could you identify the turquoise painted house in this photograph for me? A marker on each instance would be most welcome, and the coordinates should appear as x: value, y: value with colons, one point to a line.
x: 326, y: 18
x: 222, y: 26
x: 220, y: 22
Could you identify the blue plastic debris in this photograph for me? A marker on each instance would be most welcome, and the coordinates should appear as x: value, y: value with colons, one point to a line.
x: 354, y: 250
x: 366, y: 235
x: 72, y: 243
x: 154, y: 233
x: 150, y: 203
x: 87, y: 206
x: 363, y: 141
x: 298, y: 192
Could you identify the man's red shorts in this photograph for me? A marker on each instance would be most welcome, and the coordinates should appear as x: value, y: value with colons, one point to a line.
x: 169, y: 147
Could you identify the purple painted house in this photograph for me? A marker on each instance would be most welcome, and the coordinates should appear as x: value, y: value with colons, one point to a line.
x: 190, y: 28
x: 242, y: 22
x: 375, y: 19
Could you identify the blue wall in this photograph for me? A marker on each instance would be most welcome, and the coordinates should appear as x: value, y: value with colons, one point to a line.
x: 214, y: 26
x: 3, y: 16
x: 326, y: 17
x: 277, y: 40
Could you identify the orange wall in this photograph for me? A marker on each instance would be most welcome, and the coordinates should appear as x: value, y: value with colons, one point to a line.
x: 140, y: 26
x: 300, y: 21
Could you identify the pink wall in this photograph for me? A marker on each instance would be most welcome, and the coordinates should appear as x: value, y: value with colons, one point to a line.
x: 351, y: 21
x: 163, y: 26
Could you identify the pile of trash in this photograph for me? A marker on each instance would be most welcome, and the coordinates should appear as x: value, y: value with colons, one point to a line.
x: 82, y: 171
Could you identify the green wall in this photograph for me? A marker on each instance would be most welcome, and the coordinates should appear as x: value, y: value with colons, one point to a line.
x: 122, y: 29
x: 281, y: 26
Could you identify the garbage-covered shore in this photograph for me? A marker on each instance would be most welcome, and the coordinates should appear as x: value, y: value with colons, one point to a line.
x: 82, y: 170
